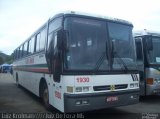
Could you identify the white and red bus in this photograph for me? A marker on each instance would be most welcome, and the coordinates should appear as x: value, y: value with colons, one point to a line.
x: 79, y: 62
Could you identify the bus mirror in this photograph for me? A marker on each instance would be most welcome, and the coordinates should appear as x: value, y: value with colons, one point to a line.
x: 62, y: 39
x: 113, y: 47
x: 149, y: 43
x: 57, y: 67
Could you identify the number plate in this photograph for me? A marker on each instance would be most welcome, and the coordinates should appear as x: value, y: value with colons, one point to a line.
x: 112, y: 98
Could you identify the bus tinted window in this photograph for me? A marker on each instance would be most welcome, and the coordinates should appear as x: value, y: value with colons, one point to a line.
x: 20, y: 51
x: 37, y: 42
x: 42, y: 39
x: 55, y: 24
x: 31, y: 45
x: 25, y: 52
x: 14, y: 55
x: 40, y: 42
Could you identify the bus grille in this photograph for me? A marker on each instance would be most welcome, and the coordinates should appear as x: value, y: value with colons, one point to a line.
x: 108, y: 87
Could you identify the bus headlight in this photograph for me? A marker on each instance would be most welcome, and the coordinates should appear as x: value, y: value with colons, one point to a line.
x: 85, y: 89
x: 134, y: 85
x: 78, y: 89
x: 82, y: 89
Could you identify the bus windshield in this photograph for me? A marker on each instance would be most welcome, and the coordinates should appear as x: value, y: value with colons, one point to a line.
x: 121, y: 37
x: 88, y: 41
x: 154, y: 54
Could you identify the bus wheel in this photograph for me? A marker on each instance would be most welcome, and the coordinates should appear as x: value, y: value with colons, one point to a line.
x: 17, y: 81
x: 45, y: 96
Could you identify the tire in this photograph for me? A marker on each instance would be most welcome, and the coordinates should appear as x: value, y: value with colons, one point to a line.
x: 45, y: 96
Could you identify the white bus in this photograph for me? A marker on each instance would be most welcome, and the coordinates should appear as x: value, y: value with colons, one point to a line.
x: 148, y: 61
x: 79, y: 62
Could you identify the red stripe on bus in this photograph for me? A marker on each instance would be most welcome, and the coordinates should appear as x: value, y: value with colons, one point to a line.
x: 42, y: 70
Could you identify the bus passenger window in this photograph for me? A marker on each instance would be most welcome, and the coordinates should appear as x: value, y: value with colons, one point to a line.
x: 37, y: 42
x: 25, y: 48
x: 42, y: 40
x: 31, y: 46
x: 20, y: 52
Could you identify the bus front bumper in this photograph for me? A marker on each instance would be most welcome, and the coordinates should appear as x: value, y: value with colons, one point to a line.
x: 94, y: 101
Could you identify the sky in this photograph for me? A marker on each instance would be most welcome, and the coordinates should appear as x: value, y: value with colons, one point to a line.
x: 20, y: 18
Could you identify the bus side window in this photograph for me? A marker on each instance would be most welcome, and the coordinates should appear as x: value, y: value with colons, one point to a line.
x: 14, y: 54
x: 25, y: 52
x: 18, y: 53
x: 31, y: 45
x: 42, y: 39
x: 38, y: 42
x: 55, y: 24
x: 139, y: 50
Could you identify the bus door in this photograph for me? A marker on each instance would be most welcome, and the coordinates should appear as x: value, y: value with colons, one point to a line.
x: 140, y: 63
x: 54, y: 62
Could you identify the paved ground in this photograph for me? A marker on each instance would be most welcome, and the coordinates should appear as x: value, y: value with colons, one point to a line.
x: 13, y: 99
x: 18, y: 100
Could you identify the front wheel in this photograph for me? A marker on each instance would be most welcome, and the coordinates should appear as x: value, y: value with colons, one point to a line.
x: 45, y: 97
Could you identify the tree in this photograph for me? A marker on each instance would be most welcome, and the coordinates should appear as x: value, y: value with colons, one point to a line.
x: 9, y: 59
x: 1, y: 60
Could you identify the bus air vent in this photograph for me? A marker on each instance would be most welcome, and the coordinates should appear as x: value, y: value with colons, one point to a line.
x: 108, y: 87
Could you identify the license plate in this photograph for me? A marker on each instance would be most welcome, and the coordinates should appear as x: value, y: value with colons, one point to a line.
x: 112, y: 98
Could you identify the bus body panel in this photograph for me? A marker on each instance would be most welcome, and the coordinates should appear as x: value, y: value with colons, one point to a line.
x: 153, y: 89
x: 101, y: 100
x: 30, y: 71
x: 58, y: 94
x: 60, y: 97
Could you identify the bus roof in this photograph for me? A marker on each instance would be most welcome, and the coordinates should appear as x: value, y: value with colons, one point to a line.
x: 75, y: 13
x: 146, y: 32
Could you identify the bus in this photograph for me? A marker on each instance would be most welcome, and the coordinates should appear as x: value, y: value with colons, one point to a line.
x: 148, y: 61
x: 5, y: 68
x: 79, y: 62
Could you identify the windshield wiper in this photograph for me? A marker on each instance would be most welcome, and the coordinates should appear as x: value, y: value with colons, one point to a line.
x: 101, y: 58
x: 115, y: 53
x: 134, y: 76
x: 100, y: 61
x: 123, y: 63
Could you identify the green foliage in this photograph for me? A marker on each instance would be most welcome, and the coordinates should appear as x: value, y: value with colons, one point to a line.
x: 5, y: 58
x: 1, y: 60
x: 8, y: 60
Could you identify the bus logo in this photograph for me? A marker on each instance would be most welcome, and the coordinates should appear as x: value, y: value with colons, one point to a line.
x: 112, y: 87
